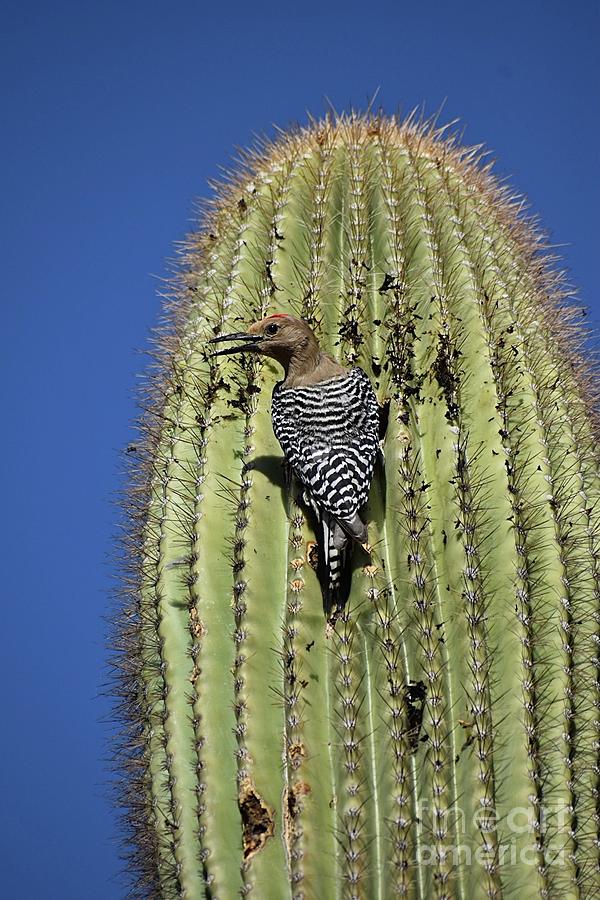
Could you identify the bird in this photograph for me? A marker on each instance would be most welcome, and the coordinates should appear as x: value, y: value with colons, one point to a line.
x: 326, y: 419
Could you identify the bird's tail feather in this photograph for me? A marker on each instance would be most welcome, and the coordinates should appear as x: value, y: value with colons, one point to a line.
x: 334, y: 564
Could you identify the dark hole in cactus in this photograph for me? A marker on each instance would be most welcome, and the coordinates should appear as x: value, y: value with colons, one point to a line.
x: 257, y: 821
x: 414, y: 696
x: 292, y: 808
x: 293, y: 798
x: 292, y: 804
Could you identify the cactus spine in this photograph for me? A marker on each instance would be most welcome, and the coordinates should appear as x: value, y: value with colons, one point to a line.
x: 443, y: 740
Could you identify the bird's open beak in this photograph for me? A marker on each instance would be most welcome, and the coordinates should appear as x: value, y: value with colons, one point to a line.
x: 249, y: 342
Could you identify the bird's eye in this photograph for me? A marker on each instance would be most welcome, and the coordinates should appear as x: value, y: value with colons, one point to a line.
x: 272, y: 328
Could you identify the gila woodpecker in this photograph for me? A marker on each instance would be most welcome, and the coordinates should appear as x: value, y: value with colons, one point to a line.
x: 326, y: 418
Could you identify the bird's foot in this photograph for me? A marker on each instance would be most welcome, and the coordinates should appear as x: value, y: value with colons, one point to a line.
x: 312, y: 554
x: 336, y: 613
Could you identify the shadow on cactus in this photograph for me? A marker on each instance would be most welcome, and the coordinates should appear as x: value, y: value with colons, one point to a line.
x: 439, y: 737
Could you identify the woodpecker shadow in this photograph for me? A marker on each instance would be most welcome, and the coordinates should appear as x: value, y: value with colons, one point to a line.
x: 272, y: 467
x: 377, y: 495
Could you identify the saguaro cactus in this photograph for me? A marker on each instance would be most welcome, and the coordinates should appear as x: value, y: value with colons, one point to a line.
x: 442, y: 740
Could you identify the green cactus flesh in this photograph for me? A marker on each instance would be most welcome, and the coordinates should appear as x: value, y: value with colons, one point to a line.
x: 442, y: 739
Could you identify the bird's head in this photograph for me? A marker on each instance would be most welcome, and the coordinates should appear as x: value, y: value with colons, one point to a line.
x: 279, y: 336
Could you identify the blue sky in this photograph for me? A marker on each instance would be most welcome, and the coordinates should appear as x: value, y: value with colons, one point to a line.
x: 114, y: 116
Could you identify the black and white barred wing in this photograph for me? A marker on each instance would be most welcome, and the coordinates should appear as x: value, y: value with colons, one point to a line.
x: 329, y: 435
